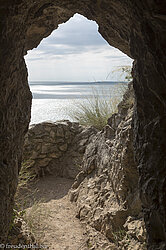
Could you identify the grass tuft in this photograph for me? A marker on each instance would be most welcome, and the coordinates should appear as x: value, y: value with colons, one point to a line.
x: 35, y: 217
x: 26, y: 174
x: 96, y: 110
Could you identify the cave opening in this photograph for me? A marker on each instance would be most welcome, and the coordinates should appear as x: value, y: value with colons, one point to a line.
x: 72, y: 65
x: 56, y: 150
x: 137, y: 29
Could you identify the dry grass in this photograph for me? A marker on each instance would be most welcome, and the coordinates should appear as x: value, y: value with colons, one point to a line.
x: 96, y: 110
x: 33, y: 212
x: 25, y: 190
x: 26, y: 174
x: 35, y: 218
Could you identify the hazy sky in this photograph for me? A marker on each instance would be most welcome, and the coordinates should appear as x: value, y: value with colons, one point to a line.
x: 75, y: 52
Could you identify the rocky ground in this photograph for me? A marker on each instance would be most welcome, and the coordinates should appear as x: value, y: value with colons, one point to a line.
x: 50, y: 217
x: 50, y: 220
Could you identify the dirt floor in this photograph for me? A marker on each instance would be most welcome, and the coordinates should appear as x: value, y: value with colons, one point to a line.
x: 52, y: 216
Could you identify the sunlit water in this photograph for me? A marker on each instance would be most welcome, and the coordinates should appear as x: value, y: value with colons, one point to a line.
x: 55, y: 100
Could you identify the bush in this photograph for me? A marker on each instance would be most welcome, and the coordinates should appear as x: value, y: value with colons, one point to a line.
x: 96, y: 110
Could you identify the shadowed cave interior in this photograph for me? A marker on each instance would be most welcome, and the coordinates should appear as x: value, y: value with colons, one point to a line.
x: 137, y: 29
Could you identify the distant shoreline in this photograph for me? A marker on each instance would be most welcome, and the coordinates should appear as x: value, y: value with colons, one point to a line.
x: 75, y: 83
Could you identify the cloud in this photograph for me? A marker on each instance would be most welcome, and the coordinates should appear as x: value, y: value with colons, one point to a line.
x: 76, y: 36
x: 75, y: 51
x: 78, y: 31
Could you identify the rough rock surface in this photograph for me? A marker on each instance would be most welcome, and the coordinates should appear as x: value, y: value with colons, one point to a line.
x: 20, y: 234
x: 56, y: 148
x: 106, y: 190
x: 135, y: 27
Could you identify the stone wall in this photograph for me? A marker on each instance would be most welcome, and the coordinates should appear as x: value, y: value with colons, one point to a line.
x: 56, y: 148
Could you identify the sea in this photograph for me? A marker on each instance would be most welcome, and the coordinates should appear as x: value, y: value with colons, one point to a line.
x: 54, y: 101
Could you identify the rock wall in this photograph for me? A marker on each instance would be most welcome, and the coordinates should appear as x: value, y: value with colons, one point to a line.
x: 135, y: 27
x: 106, y: 190
x: 56, y: 148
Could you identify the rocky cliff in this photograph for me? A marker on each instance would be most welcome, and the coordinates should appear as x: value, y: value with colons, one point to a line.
x: 106, y: 190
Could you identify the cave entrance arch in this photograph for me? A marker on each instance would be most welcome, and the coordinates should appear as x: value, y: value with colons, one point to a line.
x: 68, y: 66
x: 137, y: 29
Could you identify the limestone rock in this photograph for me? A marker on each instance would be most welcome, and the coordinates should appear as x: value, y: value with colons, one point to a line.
x: 136, y: 228
x: 106, y: 191
x: 63, y: 147
x: 56, y: 147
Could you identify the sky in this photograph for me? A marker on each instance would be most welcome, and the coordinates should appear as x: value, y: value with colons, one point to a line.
x: 75, y: 52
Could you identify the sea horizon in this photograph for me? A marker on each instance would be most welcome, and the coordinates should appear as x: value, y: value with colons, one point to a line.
x: 76, y: 82
x: 53, y: 100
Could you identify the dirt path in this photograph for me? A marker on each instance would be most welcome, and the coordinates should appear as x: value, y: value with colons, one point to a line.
x: 53, y: 215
